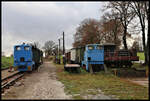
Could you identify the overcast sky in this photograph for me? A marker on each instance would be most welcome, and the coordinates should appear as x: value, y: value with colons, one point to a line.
x: 43, y: 21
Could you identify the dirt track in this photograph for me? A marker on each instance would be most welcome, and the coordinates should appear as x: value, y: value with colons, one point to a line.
x: 41, y: 84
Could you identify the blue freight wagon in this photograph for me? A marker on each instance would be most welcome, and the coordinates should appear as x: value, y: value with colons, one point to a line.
x: 27, y: 57
x: 93, y: 58
x: 90, y: 57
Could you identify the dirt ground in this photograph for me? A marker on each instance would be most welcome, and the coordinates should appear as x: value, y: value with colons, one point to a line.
x: 43, y: 84
x: 135, y: 76
x: 40, y: 84
x: 140, y: 81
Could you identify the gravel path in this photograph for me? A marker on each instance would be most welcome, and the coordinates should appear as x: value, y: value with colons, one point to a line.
x: 41, y: 84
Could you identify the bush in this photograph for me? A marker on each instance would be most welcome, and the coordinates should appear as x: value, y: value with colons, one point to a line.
x: 7, y: 62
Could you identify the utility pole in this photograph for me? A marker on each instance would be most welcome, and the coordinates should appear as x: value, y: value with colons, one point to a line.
x: 59, y: 52
x: 63, y: 43
x: 64, y: 59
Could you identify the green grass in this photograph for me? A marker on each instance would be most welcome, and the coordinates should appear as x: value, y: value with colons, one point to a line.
x: 6, y: 62
x: 138, y: 65
x: 141, y: 55
x: 108, y: 83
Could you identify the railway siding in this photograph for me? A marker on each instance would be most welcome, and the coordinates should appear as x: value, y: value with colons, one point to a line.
x: 11, y: 79
x: 5, y: 73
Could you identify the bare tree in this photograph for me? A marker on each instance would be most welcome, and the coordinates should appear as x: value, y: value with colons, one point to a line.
x: 141, y: 10
x: 125, y: 15
x: 146, y: 5
x: 36, y: 44
x: 87, y: 33
x: 113, y: 28
x: 48, y: 47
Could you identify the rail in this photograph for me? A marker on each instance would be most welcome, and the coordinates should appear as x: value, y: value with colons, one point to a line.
x: 5, y: 68
x: 7, y: 81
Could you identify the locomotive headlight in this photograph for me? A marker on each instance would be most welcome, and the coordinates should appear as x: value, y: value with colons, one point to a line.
x: 29, y: 68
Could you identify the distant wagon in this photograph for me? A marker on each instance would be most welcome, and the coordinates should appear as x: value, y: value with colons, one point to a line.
x: 26, y: 57
x: 67, y: 56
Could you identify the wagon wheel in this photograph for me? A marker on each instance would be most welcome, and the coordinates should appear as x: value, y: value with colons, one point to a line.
x: 90, y: 68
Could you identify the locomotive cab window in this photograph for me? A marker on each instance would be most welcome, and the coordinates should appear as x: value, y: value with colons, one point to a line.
x: 18, y: 48
x: 90, y: 47
x: 99, y: 47
x: 27, y: 48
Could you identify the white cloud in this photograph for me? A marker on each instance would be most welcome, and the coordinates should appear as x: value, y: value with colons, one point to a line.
x: 43, y: 21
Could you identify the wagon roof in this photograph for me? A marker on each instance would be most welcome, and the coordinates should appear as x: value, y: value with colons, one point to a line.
x: 93, y: 44
x: 77, y: 47
x: 109, y: 44
x: 21, y: 45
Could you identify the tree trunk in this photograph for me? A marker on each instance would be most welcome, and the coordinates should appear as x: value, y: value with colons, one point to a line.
x: 144, y: 46
x: 148, y: 35
x: 124, y: 38
x: 148, y: 44
x: 148, y: 49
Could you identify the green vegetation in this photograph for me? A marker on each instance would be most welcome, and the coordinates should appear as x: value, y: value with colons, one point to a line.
x: 138, y: 66
x: 61, y: 59
x: 141, y: 55
x: 6, y: 62
x: 78, y: 85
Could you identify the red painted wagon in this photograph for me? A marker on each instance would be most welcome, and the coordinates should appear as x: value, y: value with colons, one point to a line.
x: 118, y: 58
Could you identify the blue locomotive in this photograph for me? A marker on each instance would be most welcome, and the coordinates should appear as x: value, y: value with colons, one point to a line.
x: 27, y: 57
x: 93, y: 57
x: 90, y: 57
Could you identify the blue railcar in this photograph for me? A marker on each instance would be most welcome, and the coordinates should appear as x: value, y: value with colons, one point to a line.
x: 93, y: 57
x: 26, y: 57
x: 90, y: 57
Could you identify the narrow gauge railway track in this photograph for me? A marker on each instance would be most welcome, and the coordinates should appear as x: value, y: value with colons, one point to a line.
x: 4, y: 68
x: 7, y: 81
